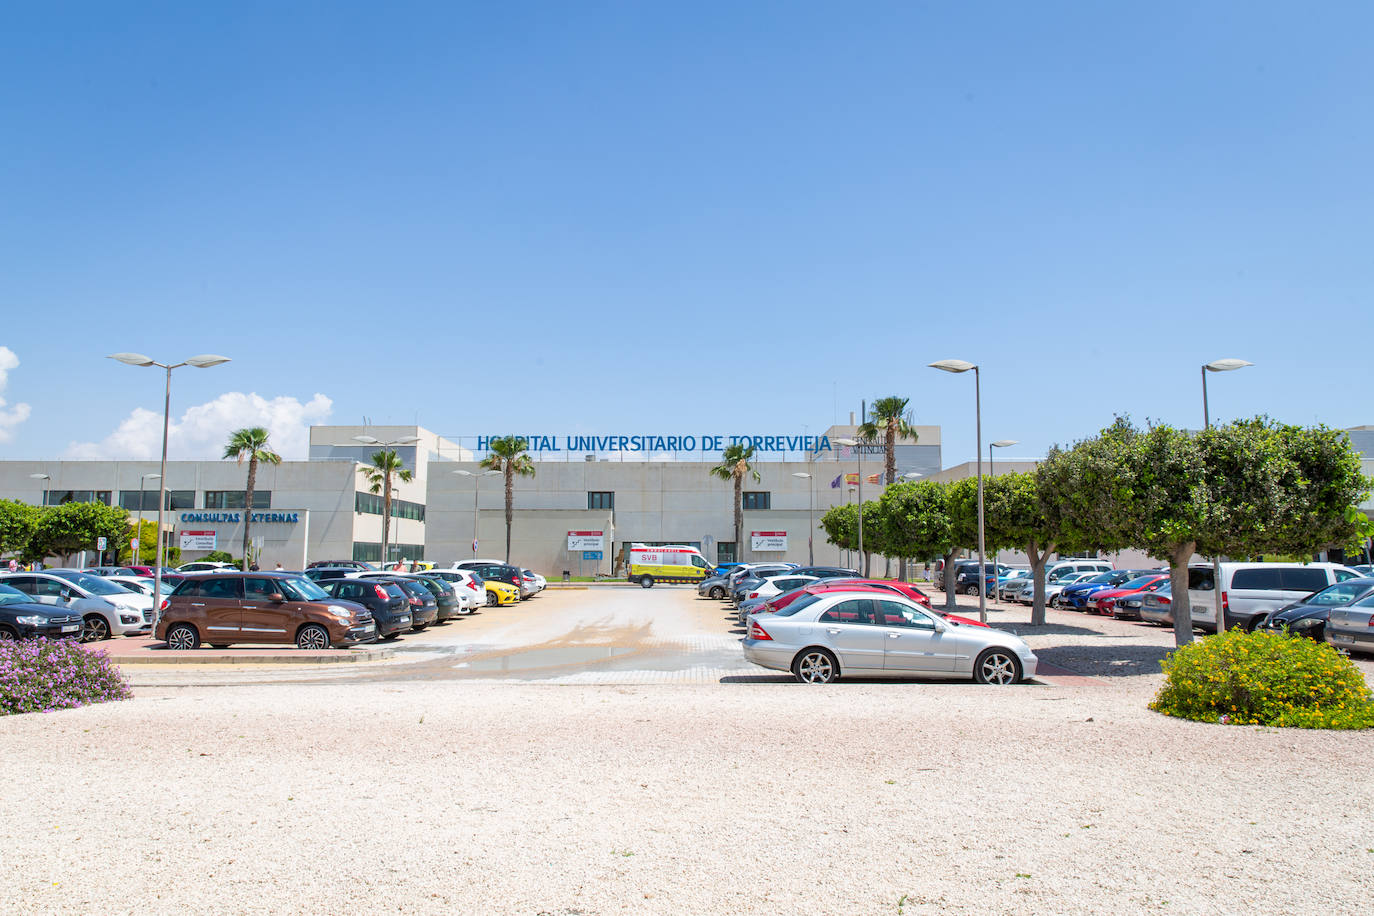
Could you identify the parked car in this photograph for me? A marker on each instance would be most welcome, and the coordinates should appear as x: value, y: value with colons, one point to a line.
x: 106, y: 609
x: 352, y: 564
x: 1010, y: 587
x: 878, y: 586
x: 820, y: 638
x: 108, y: 571
x: 1052, y: 589
x: 424, y: 609
x: 140, y: 571
x: 714, y: 587
x: 1155, y: 607
x: 1309, y: 616
x: 491, y: 570
x: 1105, y: 601
x: 500, y: 594
x: 21, y: 617
x: 1364, y: 569
x: 227, y: 608
x: 540, y: 583
x: 140, y: 585
x: 770, y: 588
x: 446, y: 599
x: 1069, y: 566
x: 1075, y: 597
x: 385, y: 601
x: 319, y: 574
x: 1249, y: 591
x: 204, y: 566
x: 1351, y: 626
x: 469, y: 586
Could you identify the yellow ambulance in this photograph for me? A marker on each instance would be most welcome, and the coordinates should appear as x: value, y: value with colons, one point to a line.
x: 672, y: 563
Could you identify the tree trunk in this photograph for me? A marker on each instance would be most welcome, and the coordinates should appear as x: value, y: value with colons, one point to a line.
x: 386, y: 513
x: 510, y: 503
x: 248, y: 507
x: 950, y: 603
x: 739, y: 519
x: 1038, y: 560
x: 1180, y: 607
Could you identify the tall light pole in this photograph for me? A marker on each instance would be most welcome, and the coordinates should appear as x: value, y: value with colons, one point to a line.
x: 203, y: 361
x: 138, y: 530
x: 1217, y: 365
x: 47, y: 482
x: 388, y: 446
x: 992, y: 472
x: 810, y: 532
x: 959, y: 365
x: 477, y: 480
x: 857, y: 444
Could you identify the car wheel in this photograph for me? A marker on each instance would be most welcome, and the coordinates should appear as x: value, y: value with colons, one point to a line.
x: 97, y: 628
x: 997, y: 666
x: 717, y: 592
x: 971, y: 591
x: 816, y: 666
x: 312, y: 636
x: 419, y: 627
x: 1054, y: 602
x: 646, y: 581
x: 183, y: 636
x: 7, y: 635
x: 492, y: 600
x: 391, y: 636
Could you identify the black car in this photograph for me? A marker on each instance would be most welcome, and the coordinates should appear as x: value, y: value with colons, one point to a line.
x: 966, y: 576
x: 355, y: 565
x: 319, y: 574
x: 388, y: 602
x: 1308, y: 617
x: 23, y: 618
x: 424, y: 610
x: 445, y: 597
x: 826, y: 572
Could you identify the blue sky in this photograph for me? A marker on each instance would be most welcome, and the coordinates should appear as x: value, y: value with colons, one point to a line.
x: 635, y: 217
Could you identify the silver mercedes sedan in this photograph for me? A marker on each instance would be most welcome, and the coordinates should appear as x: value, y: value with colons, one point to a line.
x: 820, y: 637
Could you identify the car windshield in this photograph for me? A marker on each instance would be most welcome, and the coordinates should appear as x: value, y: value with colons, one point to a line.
x: 302, y: 589
x: 1101, y: 577
x: 93, y: 584
x: 802, y: 601
x: 12, y: 596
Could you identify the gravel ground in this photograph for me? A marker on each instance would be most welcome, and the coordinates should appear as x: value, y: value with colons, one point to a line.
x: 455, y: 797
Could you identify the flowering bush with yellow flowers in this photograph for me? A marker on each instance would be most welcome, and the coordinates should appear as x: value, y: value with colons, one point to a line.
x: 1241, y: 678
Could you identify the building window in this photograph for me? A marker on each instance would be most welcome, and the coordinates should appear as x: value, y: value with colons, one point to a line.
x: 725, y: 552
x: 371, y: 551
x: 61, y: 497
x: 602, y: 500
x: 758, y: 499
x: 128, y: 499
x: 237, y: 499
x: 181, y: 499
x: 371, y: 504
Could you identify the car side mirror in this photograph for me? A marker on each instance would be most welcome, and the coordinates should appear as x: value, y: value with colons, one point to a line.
x: 276, y: 597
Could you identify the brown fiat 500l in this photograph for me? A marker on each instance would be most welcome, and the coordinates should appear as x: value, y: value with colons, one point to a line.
x: 225, y: 608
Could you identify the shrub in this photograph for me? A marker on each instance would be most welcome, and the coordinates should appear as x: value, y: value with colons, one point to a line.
x: 42, y: 674
x: 1259, y: 678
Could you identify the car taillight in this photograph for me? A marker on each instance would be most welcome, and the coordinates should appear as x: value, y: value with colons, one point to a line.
x: 756, y: 631
x: 381, y: 592
x: 416, y: 601
x: 166, y: 603
x: 753, y: 594
x: 1225, y: 606
x: 1163, y: 599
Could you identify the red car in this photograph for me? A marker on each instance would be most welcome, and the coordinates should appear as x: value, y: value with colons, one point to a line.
x: 827, y: 586
x: 1104, y: 602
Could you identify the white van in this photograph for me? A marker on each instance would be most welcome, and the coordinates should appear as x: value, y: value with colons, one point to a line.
x: 1251, y: 590
x: 1061, y: 568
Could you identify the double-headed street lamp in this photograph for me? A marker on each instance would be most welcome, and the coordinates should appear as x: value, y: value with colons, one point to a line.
x: 204, y: 361
x: 387, y: 446
x: 959, y: 365
x: 477, y: 480
x: 811, y: 532
x: 1217, y: 365
x: 138, y: 531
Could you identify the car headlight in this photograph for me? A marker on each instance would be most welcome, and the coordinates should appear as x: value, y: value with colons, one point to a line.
x: 1307, y: 623
x: 340, y: 612
x: 1131, y: 602
x: 32, y: 620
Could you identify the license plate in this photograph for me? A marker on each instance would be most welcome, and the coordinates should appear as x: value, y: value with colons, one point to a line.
x: 71, y: 629
x: 368, y: 628
x: 404, y: 619
x: 1338, y: 637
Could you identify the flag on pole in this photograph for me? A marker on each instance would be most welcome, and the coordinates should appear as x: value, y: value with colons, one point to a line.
x: 853, y: 480
x: 835, y: 484
x: 878, y: 478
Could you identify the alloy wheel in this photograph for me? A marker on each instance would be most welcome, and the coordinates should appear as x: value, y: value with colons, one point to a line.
x: 313, y: 636
x: 815, y: 667
x: 996, y: 667
x: 96, y: 629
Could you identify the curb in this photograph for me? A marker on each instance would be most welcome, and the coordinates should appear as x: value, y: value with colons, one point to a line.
x: 198, y: 657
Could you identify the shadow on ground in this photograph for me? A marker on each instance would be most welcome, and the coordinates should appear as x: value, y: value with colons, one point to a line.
x: 1111, y: 660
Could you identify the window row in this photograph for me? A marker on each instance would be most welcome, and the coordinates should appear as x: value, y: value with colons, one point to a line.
x: 146, y: 500
x: 371, y: 551
x: 371, y: 504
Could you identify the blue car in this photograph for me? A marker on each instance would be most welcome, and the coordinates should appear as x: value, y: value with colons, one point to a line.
x: 1075, y: 597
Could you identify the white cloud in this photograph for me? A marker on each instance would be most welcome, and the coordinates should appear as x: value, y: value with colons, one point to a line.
x: 202, y: 430
x: 10, y: 417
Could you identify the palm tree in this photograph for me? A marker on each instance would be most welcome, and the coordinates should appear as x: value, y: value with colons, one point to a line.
x: 734, y: 464
x: 386, y: 464
x: 886, y: 420
x: 508, y: 456
x: 251, y: 443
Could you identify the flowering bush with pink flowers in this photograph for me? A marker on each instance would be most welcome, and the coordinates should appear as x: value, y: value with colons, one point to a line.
x: 42, y: 674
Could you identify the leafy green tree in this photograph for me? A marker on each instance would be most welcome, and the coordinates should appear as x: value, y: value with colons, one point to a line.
x: 962, y: 501
x: 250, y: 443
x: 147, y: 538
x: 735, y: 464
x: 17, y: 522
x: 841, y: 526
x: 63, y: 530
x: 386, y: 465
x: 888, y: 421
x: 917, y: 523
x: 508, y: 455
x: 1016, y: 516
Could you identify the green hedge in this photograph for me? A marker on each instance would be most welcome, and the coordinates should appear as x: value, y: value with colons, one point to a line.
x: 1259, y: 678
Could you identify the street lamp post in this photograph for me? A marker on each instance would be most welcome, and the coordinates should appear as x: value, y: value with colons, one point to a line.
x: 1217, y: 365
x: 857, y: 444
x: 138, y: 529
x: 477, y: 480
x: 810, y: 532
x: 959, y: 365
x: 1000, y: 443
x: 386, y: 522
x: 203, y: 361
